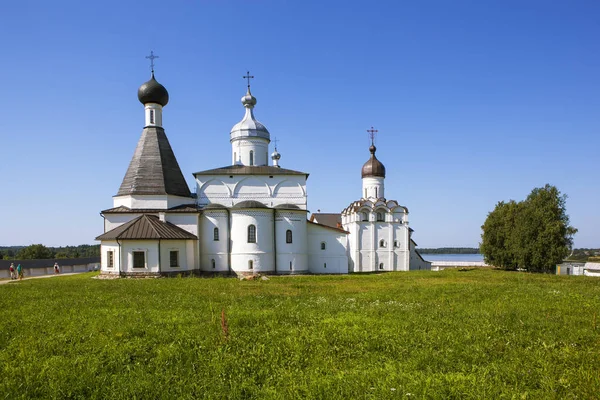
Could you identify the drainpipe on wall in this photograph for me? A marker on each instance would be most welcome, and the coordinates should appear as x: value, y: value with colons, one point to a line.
x: 120, y: 257
x: 159, y: 269
x: 229, y: 270
x: 274, y: 241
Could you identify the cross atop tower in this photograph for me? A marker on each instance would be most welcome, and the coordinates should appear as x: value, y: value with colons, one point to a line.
x: 372, y: 133
x: 248, y: 76
x: 275, y: 141
x: 152, y: 57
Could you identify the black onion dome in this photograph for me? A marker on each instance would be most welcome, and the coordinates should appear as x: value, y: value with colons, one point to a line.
x: 153, y: 92
x: 373, y: 167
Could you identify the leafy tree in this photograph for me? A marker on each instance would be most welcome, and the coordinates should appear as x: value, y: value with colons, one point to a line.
x: 496, y: 241
x: 34, y: 252
x: 533, y: 234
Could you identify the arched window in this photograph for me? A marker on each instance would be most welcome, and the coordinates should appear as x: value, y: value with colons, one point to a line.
x: 251, y: 234
x: 290, y: 265
x: 376, y: 193
x: 152, y: 117
x: 250, y: 264
x: 365, y: 216
x: 324, y: 265
x: 288, y: 236
x: 214, y: 263
x: 380, y: 216
x: 234, y: 157
x: 216, y: 234
x: 396, y: 243
x: 323, y: 245
x: 381, y: 266
x: 251, y: 157
x: 382, y: 243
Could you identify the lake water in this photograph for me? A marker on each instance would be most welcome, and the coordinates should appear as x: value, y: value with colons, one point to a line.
x: 453, y: 257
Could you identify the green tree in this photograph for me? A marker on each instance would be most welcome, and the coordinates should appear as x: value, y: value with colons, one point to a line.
x: 34, y: 252
x: 533, y: 234
x: 496, y: 242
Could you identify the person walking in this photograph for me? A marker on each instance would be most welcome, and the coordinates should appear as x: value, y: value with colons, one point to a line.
x: 56, y: 268
x: 19, y: 272
x: 12, y: 272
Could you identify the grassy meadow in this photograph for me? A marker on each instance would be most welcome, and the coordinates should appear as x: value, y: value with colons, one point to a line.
x: 480, y: 334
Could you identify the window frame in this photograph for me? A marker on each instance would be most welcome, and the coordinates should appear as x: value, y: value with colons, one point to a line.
x: 251, y: 233
x: 133, y: 263
x: 110, y: 259
x: 289, y: 236
x: 176, y: 258
x: 380, y: 216
x: 251, y: 264
x: 251, y: 156
x: 215, y: 234
x: 382, y: 244
x: 323, y: 245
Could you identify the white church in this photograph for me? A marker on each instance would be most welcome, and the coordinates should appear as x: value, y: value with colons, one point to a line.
x: 245, y: 218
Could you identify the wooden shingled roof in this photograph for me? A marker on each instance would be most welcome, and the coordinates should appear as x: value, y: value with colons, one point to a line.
x: 147, y: 227
x: 154, y: 168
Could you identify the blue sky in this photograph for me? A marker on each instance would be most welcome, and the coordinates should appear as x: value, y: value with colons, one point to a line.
x: 475, y: 102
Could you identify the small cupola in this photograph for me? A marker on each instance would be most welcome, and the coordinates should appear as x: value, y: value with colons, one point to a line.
x: 373, y: 167
x: 153, y: 92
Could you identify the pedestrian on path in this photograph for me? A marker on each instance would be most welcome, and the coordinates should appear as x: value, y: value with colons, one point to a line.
x: 19, y: 272
x: 56, y: 268
x: 12, y: 272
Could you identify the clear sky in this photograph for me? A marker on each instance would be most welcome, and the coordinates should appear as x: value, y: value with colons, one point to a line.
x: 475, y: 102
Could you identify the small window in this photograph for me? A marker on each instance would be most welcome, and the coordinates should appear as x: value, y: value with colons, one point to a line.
x: 323, y: 245
x: 396, y: 243
x: 234, y: 158
x: 110, y: 259
x: 250, y: 264
x: 216, y: 234
x: 325, y: 265
x: 139, y: 259
x: 376, y: 193
x: 251, y: 234
x: 251, y: 157
x: 382, y: 243
x: 152, y: 116
x: 290, y: 265
x: 288, y: 236
x: 379, y: 216
x: 381, y: 266
x: 366, y: 193
x: 365, y: 216
x: 174, y: 258
x: 214, y: 263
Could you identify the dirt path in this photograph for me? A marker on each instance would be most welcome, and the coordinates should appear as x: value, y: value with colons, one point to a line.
x: 3, y: 282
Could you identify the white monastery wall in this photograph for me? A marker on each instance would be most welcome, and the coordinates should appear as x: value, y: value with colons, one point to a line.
x: 291, y: 257
x: 252, y: 258
x: 186, y: 257
x: 151, y: 201
x: 271, y: 190
x: 112, y: 221
x: 333, y: 259
x: 105, y: 247
x: 241, y: 151
x: 211, y: 249
x: 187, y: 222
x: 149, y: 247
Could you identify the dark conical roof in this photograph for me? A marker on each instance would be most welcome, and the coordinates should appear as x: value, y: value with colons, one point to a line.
x: 154, y: 168
x: 373, y: 167
x: 153, y: 92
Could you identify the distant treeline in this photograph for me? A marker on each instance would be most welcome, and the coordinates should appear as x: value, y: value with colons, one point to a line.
x: 39, y: 251
x: 584, y: 254
x: 450, y: 250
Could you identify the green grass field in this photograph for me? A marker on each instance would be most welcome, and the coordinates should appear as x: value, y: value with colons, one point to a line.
x: 480, y: 334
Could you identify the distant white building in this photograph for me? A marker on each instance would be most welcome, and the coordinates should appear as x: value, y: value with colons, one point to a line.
x: 245, y: 218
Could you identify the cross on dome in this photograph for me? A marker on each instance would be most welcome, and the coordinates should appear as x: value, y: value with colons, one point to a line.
x: 372, y: 133
x: 152, y: 57
x: 248, y: 77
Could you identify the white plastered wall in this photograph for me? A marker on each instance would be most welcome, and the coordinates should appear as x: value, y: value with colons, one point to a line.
x: 105, y: 247
x: 332, y: 260
x: 292, y: 257
x: 211, y: 249
x: 271, y: 190
x: 151, y: 201
x: 260, y: 253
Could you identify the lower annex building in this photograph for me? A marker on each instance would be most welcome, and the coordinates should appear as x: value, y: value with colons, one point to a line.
x: 247, y: 217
